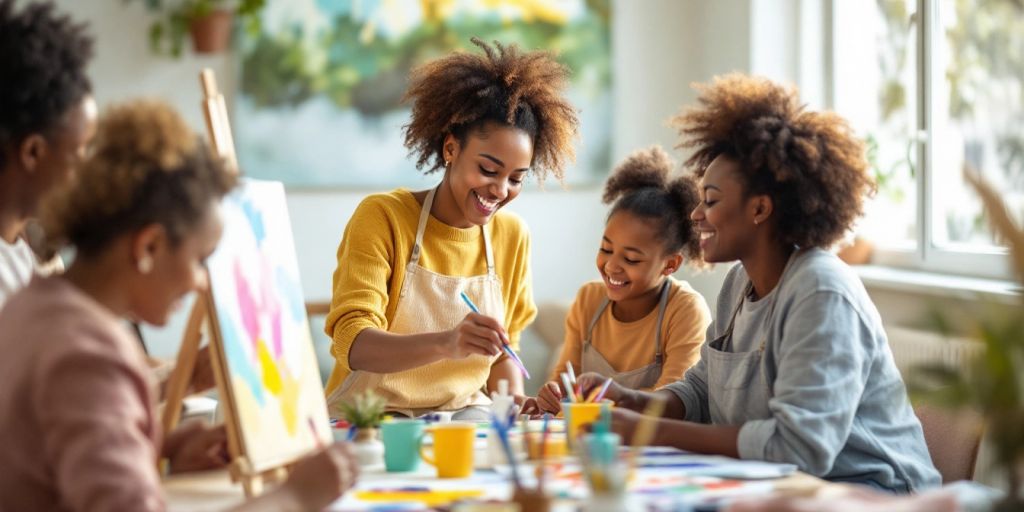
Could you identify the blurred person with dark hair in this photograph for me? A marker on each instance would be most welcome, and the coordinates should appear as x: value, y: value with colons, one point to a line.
x: 47, y: 116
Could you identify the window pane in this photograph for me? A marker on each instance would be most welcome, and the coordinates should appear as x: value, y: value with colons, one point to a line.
x: 978, y: 115
x: 876, y: 89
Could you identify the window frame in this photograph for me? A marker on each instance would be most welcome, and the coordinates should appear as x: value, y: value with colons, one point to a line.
x: 927, y: 256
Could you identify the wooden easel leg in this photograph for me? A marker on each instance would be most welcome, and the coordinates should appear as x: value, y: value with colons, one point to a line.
x: 253, y: 486
x: 181, y: 376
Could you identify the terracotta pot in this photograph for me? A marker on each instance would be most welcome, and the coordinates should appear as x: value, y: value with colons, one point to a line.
x: 857, y: 253
x: 211, y: 33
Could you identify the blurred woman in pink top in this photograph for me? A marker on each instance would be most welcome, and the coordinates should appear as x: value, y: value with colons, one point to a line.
x: 77, y: 414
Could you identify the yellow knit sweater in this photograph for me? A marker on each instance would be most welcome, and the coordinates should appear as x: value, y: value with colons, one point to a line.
x: 376, y: 247
x: 630, y: 345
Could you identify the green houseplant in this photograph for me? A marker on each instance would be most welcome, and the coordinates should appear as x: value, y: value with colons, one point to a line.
x: 992, y: 384
x: 208, y: 22
x: 364, y: 413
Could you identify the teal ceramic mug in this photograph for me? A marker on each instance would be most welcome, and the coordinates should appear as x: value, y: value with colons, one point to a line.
x: 402, y: 438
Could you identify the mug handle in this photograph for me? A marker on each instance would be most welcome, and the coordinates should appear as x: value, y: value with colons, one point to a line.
x: 423, y: 454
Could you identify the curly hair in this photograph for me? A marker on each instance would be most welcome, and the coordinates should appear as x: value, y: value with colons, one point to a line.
x: 641, y: 185
x: 146, y: 167
x: 44, y: 57
x: 461, y: 92
x: 809, y: 163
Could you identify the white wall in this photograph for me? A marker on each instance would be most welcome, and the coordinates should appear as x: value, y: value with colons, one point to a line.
x: 659, y: 48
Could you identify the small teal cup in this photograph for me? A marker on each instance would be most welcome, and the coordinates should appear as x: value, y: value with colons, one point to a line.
x: 402, y: 438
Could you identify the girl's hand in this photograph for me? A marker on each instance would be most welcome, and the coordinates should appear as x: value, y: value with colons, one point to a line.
x: 527, y: 405
x: 476, y: 334
x: 549, y: 398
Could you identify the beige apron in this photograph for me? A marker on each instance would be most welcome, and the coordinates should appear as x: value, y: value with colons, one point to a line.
x: 430, y: 302
x: 645, y: 377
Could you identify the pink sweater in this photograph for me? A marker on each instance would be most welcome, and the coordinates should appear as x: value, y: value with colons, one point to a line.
x: 77, y: 418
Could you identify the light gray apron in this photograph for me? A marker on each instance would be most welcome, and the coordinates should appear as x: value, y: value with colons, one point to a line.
x: 640, y: 378
x: 739, y: 383
x: 430, y: 302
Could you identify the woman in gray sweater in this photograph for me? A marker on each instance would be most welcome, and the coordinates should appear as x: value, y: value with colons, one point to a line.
x: 796, y: 367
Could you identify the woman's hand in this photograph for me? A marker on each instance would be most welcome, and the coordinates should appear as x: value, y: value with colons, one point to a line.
x: 549, y: 398
x: 321, y: 478
x: 476, y: 334
x: 624, y: 423
x: 590, y: 381
x: 196, y: 446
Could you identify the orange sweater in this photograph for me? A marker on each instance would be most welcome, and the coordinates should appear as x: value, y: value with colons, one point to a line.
x: 630, y: 345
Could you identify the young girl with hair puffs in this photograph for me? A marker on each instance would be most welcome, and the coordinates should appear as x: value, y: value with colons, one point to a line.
x: 638, y: 325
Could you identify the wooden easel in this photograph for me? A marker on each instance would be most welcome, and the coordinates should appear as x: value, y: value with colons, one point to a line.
x: 203, y: 314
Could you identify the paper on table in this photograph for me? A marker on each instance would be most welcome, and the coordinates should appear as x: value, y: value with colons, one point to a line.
x: 712, y: 465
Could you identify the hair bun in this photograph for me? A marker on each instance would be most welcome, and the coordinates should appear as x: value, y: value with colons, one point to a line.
x: 644, y: 168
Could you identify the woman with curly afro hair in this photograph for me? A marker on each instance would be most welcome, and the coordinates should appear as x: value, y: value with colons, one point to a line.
x: 796, y: 367
x: 637, y: 324
x: 398, y: 323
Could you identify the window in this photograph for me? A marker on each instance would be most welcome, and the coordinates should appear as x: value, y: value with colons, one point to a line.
x: 934, y: 85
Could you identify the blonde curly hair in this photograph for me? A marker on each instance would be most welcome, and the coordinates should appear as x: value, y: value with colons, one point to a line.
x: 145, y: 166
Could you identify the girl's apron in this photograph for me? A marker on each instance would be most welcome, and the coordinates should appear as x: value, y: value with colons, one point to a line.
x: 645, y: 377
x: 430, y: 302
x: 739, y: 383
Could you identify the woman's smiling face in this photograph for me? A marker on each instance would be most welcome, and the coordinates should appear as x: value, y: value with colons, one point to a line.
x: 725, y: 216
x: 487, y: 171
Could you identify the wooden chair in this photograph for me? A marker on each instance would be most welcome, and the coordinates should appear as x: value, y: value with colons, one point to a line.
x: 550, y: 326
x: 953, y: 439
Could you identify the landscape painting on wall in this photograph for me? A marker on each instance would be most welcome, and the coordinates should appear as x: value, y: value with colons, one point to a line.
x: 320, y: 86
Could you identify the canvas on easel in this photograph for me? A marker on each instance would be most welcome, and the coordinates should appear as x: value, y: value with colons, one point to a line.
x: 260, y: 345
x: 261, y: 330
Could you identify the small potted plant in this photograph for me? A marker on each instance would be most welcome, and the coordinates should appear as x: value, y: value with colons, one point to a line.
x: 993, y: 382
x: 208, y: 22
x: 364, y: 414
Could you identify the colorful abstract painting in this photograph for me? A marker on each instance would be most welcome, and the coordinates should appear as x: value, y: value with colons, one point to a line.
x: 275, y: 391
x: 319, y: 93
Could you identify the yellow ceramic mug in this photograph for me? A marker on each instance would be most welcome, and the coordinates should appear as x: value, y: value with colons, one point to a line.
x: 453, y: 449
x: 580, y: 414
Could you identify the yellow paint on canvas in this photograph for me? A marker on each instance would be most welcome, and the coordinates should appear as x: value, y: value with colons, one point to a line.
x: 290, y: 403
x: 271, y: 375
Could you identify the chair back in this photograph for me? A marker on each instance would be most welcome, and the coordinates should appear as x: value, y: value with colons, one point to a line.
x: 953, y: 438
